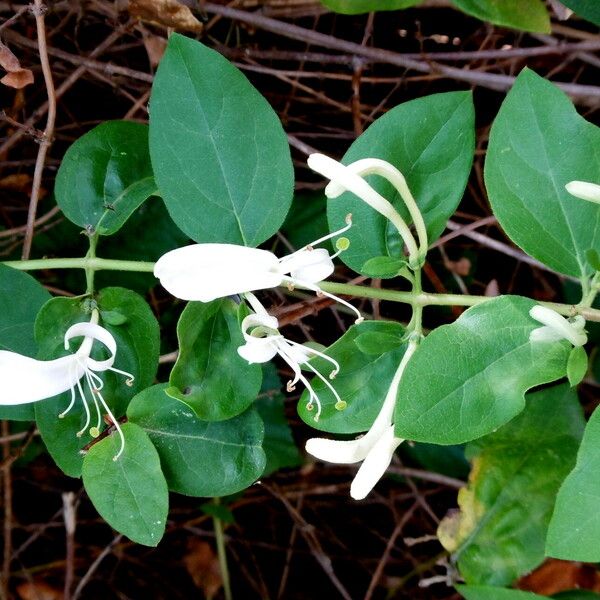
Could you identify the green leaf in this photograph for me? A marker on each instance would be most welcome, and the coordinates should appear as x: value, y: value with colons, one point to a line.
x: 357, y: 7
x: 431, y: 140
x: 362, y: 382
x: 307, y: 220
x: 484, y: 592
x: 538, y: 144
x: 593, y: 258
x: 105, y: 175
x: 377, y: 343
x: 577, y: 595
x: 21, y: 297
x: 469, y: 378
x: 209, y: 375
x: 279, y: 445
x: 220, y: 155
x: 528, y: 16
x: 383, y: 266
x: 200, y: 458
x: 137, y: 353
x: 588, y: 9
x: 575, y: 526
x: 577, y: 365
x: 130, y: 493
x: 499, y: 534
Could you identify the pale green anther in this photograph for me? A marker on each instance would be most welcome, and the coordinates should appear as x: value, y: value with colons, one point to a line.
x: 342, y: 244
x: 341, y: 405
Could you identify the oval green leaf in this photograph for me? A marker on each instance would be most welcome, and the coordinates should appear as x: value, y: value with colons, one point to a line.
x: 470, y: 377
x: 209, y: 375
x: 363, y: 381
x: 357, y: 7
x: 129, y: 493
x: 484, y: 592
x: 220, y: 155
x: 200, y: 458
x: 137, y: 353
x: 528, y: 16
x: 588, y: 9
x: 431, y: 140
x: 500, y: 532
x: 105, y: 175
x: 538, y: 144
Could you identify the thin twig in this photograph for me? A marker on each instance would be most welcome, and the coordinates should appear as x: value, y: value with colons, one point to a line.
x: 69, y: 514
x: 39, y: 10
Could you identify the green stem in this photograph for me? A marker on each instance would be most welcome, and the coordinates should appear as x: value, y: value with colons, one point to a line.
x: 222, y: 553
x: 589, y: 290
x: 343, y: 289
x: 89, y: 271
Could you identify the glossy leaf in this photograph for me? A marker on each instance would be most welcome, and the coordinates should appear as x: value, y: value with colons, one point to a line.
x: 362, y: 382
x: 357, y: 7
x: 200, y: 458
x: 528, y: 16
x: 469, y: 378
x: 137, y: 353
x: 431, y: 140
x: 575, y: 526
x: 538, y: 144
x: 279, y: 445
x: 577, y: 365
x: 484, y: 592
x: 588, y: 9
x: 105, y: 175
x: 130, y: 493
x: 500, y: 533
x: 220, y: 155
x: 21, y: 297
x: 209, y: 375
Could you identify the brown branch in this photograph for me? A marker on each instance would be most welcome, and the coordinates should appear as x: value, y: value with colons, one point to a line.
x: 39, y: 11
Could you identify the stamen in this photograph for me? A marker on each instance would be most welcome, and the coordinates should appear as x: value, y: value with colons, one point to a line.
x: 310, y: 246
x: 335, y: 363
x: 116, y: 425
x: 88, y: 417
x: 318, y: 290
x: 326, y: 382
x: 130, y: 378
x: 94, y: 390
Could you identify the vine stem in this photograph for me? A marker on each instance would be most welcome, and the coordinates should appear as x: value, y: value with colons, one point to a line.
x: 222, y: 553
x: 343, y: 289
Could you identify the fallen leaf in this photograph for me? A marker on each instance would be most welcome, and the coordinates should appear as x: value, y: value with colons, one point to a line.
x: 155, y: 48
x: 169, y: 13
x: 16, y: 77
x: 559, y: 576
x: 38, y: 590
x: 203, y: 566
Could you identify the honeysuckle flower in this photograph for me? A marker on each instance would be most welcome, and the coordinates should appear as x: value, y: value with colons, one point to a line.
x: 584, y: 190
x: 350, y: 178
x: 24, y: 379
x: 556, y: 327
x: 264, y: 342
x: 205, y: 272
x: 376, y: 448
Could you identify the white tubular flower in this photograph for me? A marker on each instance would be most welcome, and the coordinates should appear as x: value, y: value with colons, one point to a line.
x: 584, y: 190
x: 376, y: 448
x: 205, y: 272
x: 350, y: 178
x: 556, y: 327
x: 24, y: 379
x: 264, y: 342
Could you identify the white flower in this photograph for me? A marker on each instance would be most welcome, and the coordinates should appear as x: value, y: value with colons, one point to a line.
x: 350, y: 178
x: 264, y: 342
x: 205, y: 272
x: 584, y: 190
x: 24, y: 379
x: 376, y: 448
x: 556, y: 327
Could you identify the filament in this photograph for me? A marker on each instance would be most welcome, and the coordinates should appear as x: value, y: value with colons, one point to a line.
x: 327, y: 383
x: 324, y: 238
x: 116, y: 424
x: 94, y: 391
x: 335, y: 363
x: 88, y: 417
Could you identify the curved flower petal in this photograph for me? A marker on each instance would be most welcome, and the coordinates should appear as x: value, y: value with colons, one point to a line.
x: 206, y: 272
x: 258, y: 350
x: 309, y: 265
x: 92, y: 332
x: 573, y: 332
x: 375, y: 464
x: 584, y: 190
x: 24, y: 379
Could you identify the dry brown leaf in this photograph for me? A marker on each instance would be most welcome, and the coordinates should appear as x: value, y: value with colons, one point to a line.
x: 38, y: 590
x: 155, y: 47
x: 18, y: 182
x: 559, y: 576
x: 169, y: 13
x: 461, y: 267
x: 492, y: 289
x: 203, y: 566
x: 16, y: 76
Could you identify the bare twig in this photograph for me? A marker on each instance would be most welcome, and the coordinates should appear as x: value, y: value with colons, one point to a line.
x: 69, y: 514
x: 39, y: 11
